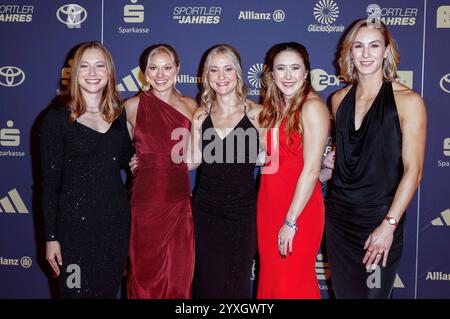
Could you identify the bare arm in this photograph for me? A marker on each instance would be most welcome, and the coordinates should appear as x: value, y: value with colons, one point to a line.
x: 194, y: 147
x: 131, y: 106
x: 413, y: 119
x: 315, y: 120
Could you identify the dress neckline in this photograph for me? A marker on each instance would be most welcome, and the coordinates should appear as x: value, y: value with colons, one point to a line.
x: 372, y: 106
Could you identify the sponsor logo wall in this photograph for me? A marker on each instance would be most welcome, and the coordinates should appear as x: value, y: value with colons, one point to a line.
x: 34, y: 69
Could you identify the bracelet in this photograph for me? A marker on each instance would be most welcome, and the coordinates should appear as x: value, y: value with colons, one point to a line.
x: 288, y: 223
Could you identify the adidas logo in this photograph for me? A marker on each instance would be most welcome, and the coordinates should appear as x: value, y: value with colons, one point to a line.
x: 398, y: 283
x: 444, y: 220
x: 322, y: 268
x: 132, y: 82
x: 13, y: 197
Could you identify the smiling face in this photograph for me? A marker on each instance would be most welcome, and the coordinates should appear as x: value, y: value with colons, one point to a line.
x: 92, y: 72
x: 289, y: 72
x: 368, y: 51
x: 222, y: 76
x: 161, y: 72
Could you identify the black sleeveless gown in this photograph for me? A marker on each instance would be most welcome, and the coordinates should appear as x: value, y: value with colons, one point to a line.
x: 367, y: 172
x: 225, y: 213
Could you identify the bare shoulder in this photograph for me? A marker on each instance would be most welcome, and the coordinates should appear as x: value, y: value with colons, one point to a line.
x: 338, y: 96
x: 313, y: 101
x: 253, y: 108
x: 199, y: 116
x: 190, y: 103
x: 131, y: 106
x: 406, y: 99
x: 132, y: 102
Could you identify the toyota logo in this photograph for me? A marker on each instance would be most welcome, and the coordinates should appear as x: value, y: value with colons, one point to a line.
x: 71, y: 14
x: 445, y: 83
x: 11, y: 76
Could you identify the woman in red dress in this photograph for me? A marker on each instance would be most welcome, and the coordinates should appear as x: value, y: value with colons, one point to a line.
x: 162, y: 237
x: 290, y: 217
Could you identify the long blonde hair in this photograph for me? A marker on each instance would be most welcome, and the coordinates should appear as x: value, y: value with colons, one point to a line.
x: 274, y: 100
x: 110, y: 105
x: 390, y: 63
x: 208, y: 95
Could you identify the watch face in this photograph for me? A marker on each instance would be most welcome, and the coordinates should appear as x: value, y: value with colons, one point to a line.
x: 392, y: 221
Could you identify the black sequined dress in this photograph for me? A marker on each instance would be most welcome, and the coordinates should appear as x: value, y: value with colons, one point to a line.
x: 85, y: 202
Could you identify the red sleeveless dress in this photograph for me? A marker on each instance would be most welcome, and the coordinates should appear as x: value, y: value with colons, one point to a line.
x: 162, y: 236
x: 293, y: 276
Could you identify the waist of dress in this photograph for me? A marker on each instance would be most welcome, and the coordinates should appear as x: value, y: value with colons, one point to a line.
x: 163, y: 160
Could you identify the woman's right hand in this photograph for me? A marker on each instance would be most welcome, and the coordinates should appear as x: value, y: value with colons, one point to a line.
x: 53, y: 256
x: 133, y: 164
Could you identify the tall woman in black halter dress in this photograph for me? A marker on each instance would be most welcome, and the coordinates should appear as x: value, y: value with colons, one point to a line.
x: 380, y: 144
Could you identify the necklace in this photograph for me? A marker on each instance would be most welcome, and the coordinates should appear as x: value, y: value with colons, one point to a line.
x: 97, y: 110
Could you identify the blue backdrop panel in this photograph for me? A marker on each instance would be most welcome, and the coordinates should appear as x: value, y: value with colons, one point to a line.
x: 38, y: 36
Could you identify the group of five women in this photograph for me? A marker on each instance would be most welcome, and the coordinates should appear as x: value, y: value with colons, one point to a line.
x: 173, y: 247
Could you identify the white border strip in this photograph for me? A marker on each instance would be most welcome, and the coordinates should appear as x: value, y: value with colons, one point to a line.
x: 418, y: 190
x: 102, y: 20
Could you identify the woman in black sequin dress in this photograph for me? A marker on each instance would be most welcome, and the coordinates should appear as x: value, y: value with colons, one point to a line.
x: 84, y: 145
x: 226, y: 143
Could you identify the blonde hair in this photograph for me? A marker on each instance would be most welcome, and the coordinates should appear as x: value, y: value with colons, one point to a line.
x: 274, y: 100
x: 208, y: 95
x: 110, y: 105
x: 152, y: 50
x: 390, y: 63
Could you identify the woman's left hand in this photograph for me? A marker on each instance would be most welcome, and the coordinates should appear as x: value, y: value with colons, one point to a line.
x: 285, y: 239
x: 378, y: 245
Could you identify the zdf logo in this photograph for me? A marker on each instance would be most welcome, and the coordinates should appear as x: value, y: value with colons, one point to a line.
x: 133, y: 13
x: 11, y: 76
x: 321, y: 79
x: 72, y: 15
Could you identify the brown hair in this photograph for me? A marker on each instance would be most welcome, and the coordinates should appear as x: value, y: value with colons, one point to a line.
x: 110, y: 103
x: 390, y: 63
x: 208, y: 95
x: 274, y: 98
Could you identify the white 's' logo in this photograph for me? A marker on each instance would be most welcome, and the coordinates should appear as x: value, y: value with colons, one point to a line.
x: 11, y: 76
x: 133, y: 13
x: 72, y: 15
x: 326, y: 11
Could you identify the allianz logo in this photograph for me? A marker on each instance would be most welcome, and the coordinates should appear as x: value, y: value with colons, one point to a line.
x: 277, y: 16
x: 11, y: 76
x: 13, y: 203
x: 443, y: 220
x: 135, y: 82
x: 72, y: 15
x: 25, y: 262
x: 438, y: 276
x: 444, y: 83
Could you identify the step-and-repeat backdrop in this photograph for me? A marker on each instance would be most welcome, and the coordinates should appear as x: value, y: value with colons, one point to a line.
x: 36, y: 40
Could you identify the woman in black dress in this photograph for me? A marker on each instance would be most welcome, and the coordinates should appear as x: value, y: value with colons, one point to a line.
x: 225, y: 142
x: 84, y: 145
x: 380, y: 146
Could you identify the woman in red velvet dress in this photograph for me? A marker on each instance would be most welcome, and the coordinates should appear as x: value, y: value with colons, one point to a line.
x: 290, y: 216
x: 162, y: 238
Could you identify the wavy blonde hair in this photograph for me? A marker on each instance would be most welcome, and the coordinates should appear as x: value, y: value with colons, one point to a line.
x: 110, y: 105
x: 208, y: 95
x: 390, y: 63
x: 274, y: 100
